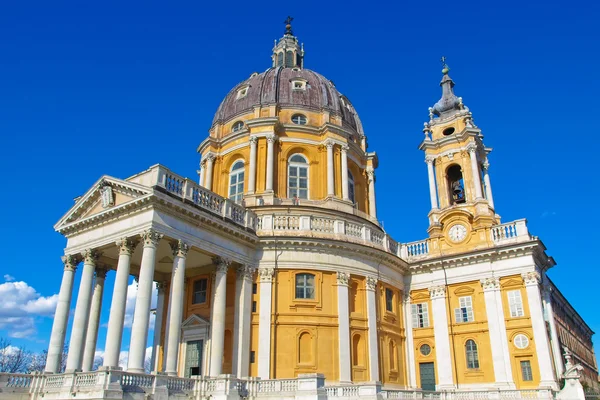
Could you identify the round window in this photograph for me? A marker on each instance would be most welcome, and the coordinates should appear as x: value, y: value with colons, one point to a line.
x: 299, y: 119
x: 521, y: 341
x: 425, y: 349
x: 448, y: 131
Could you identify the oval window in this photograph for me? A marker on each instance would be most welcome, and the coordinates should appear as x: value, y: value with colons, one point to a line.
x: 521, y: 341
x: 448, y: 131
x: 425, y: 349
x: 299, y: 119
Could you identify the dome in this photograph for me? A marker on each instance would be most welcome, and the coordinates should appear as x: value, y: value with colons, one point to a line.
x: 275, y: 86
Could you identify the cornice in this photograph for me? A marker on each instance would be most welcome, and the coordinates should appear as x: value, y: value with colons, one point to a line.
x: 456, y: 138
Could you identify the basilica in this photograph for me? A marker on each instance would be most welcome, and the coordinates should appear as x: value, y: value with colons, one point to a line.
x: 276, y: 279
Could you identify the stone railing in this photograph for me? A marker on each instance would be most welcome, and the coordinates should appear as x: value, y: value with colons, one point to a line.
x: 510, y: 232
x: 192, y: 193
x: 328, y: 204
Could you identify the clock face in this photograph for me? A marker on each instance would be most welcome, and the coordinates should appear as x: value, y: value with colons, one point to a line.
x: 457, y: 233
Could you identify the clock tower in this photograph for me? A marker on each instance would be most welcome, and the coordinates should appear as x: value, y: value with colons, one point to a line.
x: 462, y: 207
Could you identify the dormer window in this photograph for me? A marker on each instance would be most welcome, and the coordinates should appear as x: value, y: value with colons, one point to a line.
x: 238, y: 126
x: 299, y: 119
x: 242, y: 92
x: 298, y: 85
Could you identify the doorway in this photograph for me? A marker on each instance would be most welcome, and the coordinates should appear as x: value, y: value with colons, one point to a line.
x: 193, y: 358
x: 427, y: 373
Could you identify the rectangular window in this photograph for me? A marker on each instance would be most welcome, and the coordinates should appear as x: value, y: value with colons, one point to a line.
x: 305, y: 286
x: 252, y: 357
x: 253, y: 306
x: 254, y: 288
x: 465, y: 312
x: 420, y: 315
x: 526, y: 371
x: 199, y: 293
x: 389, y: 300
x: 515, y: 303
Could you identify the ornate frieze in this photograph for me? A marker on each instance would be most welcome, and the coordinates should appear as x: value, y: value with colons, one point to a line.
x: 490, y: 283
x: 126, y: 246
x: 180, y: 249
x: 90, y: 256
x: 531, y: 278
x: 371, y: 283
x: 266, y: 274
x: 222, y: 264
x: 437, y: 292
x: 70, y: 261
x: 343, y: 278
x: 151, y: 237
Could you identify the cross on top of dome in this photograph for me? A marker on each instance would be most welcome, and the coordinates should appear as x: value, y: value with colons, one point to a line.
x: 288, y: 53
x: 288, y: 26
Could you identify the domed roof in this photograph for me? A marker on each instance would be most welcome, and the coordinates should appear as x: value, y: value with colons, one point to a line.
x: 275, y: 86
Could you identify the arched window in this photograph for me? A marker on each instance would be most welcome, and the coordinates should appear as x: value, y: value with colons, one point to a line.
x: 298, y: 177
x: 280, y: 59
x: 299, y: 119
x: 289, y: 59
x: 351, y: 187
x: 456, y: 185
x: 472, y: 356
x: 238, y: 126
x: 236, y: 182
x: 305, y: 286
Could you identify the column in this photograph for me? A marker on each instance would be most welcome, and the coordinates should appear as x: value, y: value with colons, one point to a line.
x: 61, y: 315
x: 372, y: 205
x: 160, y: 306
x: 91, y: 336
x: 330, y: 169
x: 372, y: 326
x: 114, y: 333
x: 210, y: 159
x: 141, y: 314
x: 344, y: 327
x: 217, y: 319
x: 532, y: 280
x: 345, y: 173
x: 497, y: 330
x: 264, y: 322
x: 410, y: 346
x: 82, y: 309
x: 271, y: 139
x: 432, y: 190
x: 241, y: 322
x: 201, y: 173
x: 252, y: 172
x: 488, y: 185
x: 555, y: 344
x: 180, y: 250
x: 472, y: 148
x: 442, y: 343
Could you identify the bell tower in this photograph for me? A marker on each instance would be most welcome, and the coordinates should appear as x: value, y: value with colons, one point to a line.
x: 462, y: 207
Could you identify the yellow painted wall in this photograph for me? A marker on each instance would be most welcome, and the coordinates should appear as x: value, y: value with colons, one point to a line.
x: 359, y: 354
x: 391, y: 336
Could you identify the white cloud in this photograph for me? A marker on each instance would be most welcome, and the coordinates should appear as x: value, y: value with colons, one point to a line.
x: 21, y: 305
x: 130, y: 305
x: 9, y: 278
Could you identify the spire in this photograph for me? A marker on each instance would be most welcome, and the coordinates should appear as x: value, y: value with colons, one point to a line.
x: 288, y: 53
x: 449, y: 103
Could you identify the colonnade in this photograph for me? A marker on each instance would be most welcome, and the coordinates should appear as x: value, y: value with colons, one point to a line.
x: 206, y: 170
x: 84, y: 330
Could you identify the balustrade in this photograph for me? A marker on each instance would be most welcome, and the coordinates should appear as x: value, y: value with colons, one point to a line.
x: 417, y: 249
x: 86, y: 379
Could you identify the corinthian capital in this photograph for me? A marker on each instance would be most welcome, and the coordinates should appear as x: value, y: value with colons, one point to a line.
x: 90, y: 256
x: 345, y: 148
x: 371, y: 174
x: 531, y: 278
x: 343, y: 278
x: 371, y: 283
x: 429, y: 159
x: 179, y: 248
x: 266, y: 274
x: 126, y: 246
x: 437, y: 292
x: 70, y: 261
x: 245, y: 272
x: 101, y: 273
x: 222, y: 264
x: 151, y: 237
x: 485, y: 165
x: 472, y: 148
x: 329, y: 144
x: 490, y: 283
x: 272, y: 138
x: 253, y: 139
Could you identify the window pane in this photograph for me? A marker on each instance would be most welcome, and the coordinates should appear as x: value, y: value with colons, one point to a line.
x: 303, y: 194
x: 293, y: 192
x: 526, y: 372
x: 303, y: 172
x: 310, y: 293
x: 293, y: 171
x: 303, y: 184
x: 233, y: 180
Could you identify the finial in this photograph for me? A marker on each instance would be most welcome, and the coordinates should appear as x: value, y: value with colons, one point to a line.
x: 445, y: 68
x: 288, y: 25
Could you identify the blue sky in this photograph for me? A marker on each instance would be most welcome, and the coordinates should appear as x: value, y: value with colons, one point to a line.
x: 109, y: 88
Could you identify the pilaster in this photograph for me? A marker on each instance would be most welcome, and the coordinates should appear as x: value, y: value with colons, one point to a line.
x: 264, y: 322
x: 442, y: 343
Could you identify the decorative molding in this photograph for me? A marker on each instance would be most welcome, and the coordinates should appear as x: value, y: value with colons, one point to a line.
x: 151, y: 237
x: 266, y: 274
x: 126, y: 246
x: 222, y: 264
x: 180, y: 249
x: 90, y: 256
x: 343, y: 278
x: 70, y: 262
x: 437, y: 292
x: 371, y: 283
x: 106, y: 195
x: 531, y: 278
x: 492, y: 283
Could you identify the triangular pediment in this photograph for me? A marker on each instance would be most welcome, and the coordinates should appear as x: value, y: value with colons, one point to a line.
x: 512, y: 283
x: 194, y: 321
x: 106, y: 194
